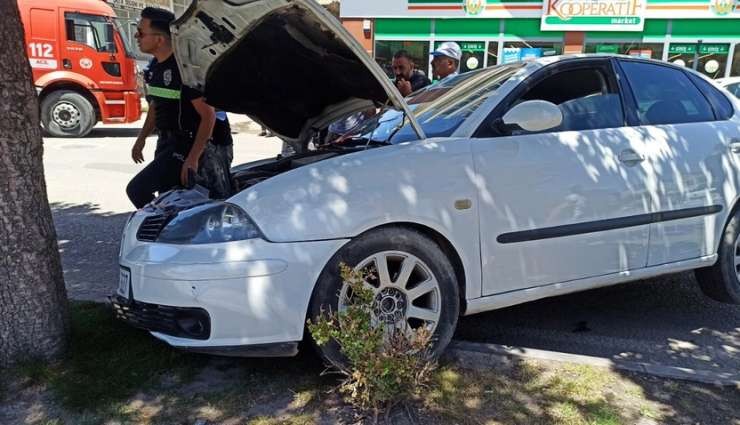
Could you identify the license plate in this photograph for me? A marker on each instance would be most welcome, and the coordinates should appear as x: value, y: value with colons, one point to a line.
x: 124, y: 283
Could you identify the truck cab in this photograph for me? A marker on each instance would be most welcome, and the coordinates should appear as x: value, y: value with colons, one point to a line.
x: 83, y: 68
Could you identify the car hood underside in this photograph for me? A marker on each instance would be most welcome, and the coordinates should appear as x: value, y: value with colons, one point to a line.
x: 283, y: 63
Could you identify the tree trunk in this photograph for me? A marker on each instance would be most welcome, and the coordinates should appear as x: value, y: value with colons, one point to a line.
x: 33, y: 301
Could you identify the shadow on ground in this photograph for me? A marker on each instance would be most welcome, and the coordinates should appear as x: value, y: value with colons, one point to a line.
x: 664, y: 320
x: 89, y: 240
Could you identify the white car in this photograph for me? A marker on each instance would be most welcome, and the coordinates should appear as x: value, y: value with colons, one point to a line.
x: 731, y: 84
x: 493, y: 188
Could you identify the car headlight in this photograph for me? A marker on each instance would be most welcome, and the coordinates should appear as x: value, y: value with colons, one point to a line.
x: 210, y: 223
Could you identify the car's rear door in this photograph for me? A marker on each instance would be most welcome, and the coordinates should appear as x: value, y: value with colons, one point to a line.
x: 564, y: 204
x: 688, y: 129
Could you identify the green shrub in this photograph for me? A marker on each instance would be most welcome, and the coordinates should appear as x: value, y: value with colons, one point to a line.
x: 385, y: 364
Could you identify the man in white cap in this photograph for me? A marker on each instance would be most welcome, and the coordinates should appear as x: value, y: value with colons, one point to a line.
x: 446, y: 60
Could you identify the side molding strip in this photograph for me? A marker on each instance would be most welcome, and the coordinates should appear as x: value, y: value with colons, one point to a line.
x: 602, y: 225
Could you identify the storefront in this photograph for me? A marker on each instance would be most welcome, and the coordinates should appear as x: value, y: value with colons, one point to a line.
x: 492, y: 32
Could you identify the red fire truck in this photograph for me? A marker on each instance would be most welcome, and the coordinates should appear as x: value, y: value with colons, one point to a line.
x: 83, y: 69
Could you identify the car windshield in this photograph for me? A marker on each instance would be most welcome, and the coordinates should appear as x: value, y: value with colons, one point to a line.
x: 440, y: 108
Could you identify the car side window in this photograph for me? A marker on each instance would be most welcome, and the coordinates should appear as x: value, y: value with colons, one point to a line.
x: 734, y: 89
x: 722, y: 106
x: 665, y: 95
x: 585, y: 97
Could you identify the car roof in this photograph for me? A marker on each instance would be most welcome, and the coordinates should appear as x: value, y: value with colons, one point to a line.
x: 727, y: 81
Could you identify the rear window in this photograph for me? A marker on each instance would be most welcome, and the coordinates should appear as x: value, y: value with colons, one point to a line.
x: 720, y: 103
x: 665, y: 95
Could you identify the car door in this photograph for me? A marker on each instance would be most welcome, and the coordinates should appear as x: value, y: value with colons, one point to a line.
x: 686, y: 124
x: 564, y: 204
x: 91, y: 49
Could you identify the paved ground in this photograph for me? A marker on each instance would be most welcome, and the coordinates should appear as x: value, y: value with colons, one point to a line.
x: 663, y: 320
x: 86, y: 181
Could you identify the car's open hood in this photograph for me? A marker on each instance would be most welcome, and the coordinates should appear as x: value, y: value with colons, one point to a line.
x: 285, y: 63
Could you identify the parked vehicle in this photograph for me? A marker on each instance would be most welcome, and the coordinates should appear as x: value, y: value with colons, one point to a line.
x: 500, y: 186
x: 731, y: 84
x: 82, y: 67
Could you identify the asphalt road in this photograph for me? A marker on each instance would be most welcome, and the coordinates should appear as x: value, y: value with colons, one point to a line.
x: 664, y: 320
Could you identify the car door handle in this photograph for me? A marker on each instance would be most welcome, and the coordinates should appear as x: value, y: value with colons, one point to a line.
x: 630, y: 157
x: 735, y: 145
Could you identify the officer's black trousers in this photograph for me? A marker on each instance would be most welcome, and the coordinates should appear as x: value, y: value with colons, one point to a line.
x: 161, y: 175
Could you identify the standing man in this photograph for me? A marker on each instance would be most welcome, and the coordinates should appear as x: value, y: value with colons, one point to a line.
x: 179, y: 113
x: 446, y: 60
x: 408, y: 78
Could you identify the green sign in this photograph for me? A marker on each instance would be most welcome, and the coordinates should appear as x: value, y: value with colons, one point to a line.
x: 607, y: 48
x: 468, y: 46
x: 593, y: 15
x: 704, y: 49
x: 718, y: 49
x: 682, y: 49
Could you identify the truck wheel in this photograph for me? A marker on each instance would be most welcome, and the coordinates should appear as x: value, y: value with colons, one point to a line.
x: 721, y: 282
x: 416, y: 287
x: 66, y: 113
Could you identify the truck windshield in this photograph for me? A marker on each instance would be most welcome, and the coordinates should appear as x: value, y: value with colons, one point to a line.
x: 93, y: 30
x: 126, y: 41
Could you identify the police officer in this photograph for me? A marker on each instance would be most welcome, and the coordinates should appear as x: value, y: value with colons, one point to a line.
x: 179, y: 113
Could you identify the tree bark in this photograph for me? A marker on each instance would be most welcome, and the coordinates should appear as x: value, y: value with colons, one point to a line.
x: 33, y: 300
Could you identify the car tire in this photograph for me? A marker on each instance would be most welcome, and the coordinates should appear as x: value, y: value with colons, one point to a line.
x: 721, y: 282
x: 66, y: 113
x: 396, y: 241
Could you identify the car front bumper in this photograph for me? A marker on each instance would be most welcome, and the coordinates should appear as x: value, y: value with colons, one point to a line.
x: 238, y: 298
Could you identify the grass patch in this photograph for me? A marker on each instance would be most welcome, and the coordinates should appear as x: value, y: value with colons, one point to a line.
x: 107, y: 362
x: 116, y: 374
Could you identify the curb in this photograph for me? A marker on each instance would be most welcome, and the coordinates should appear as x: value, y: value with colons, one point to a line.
x: 474, y: 355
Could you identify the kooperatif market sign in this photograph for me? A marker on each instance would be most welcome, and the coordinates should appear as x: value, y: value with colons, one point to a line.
x: 593, y: 15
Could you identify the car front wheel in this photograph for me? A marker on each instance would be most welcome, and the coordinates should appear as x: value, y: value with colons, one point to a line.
x: 721, y: 282
x: 413, y: 283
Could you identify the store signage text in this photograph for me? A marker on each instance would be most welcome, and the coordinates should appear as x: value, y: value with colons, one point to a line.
x: 140, y: 4
x: 704, y: 49
x: 593, y: 15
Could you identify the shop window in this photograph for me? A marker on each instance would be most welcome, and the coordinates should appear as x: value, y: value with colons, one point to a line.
x: 418, y: 50
x: 642, y: 50
x: 515, y: 51
x: 492, y: 53
x: 712, y: 57
x: 665, y: 95
x: 735, y: 70
x: 473, y: 54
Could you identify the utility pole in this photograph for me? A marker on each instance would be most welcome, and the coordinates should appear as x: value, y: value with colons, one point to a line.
x: 696, y: 56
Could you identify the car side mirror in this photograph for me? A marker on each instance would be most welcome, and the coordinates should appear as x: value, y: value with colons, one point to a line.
x: 534, y: 116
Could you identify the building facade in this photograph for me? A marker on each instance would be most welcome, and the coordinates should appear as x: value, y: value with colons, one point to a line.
x: 704, y: 34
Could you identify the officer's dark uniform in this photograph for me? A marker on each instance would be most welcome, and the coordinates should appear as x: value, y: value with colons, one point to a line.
x: 176, y: 121
x: 215, y: 164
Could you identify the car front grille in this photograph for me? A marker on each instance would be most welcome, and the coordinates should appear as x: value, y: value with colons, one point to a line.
x: 151, y: 227
x: 184, y: 322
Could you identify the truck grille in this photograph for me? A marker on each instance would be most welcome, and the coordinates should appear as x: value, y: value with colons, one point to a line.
x: 151, y: 227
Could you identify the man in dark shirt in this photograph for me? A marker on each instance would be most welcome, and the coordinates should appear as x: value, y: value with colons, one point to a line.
x: 408, y: 78
x: 215, y: 165
x: 179, y: 113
